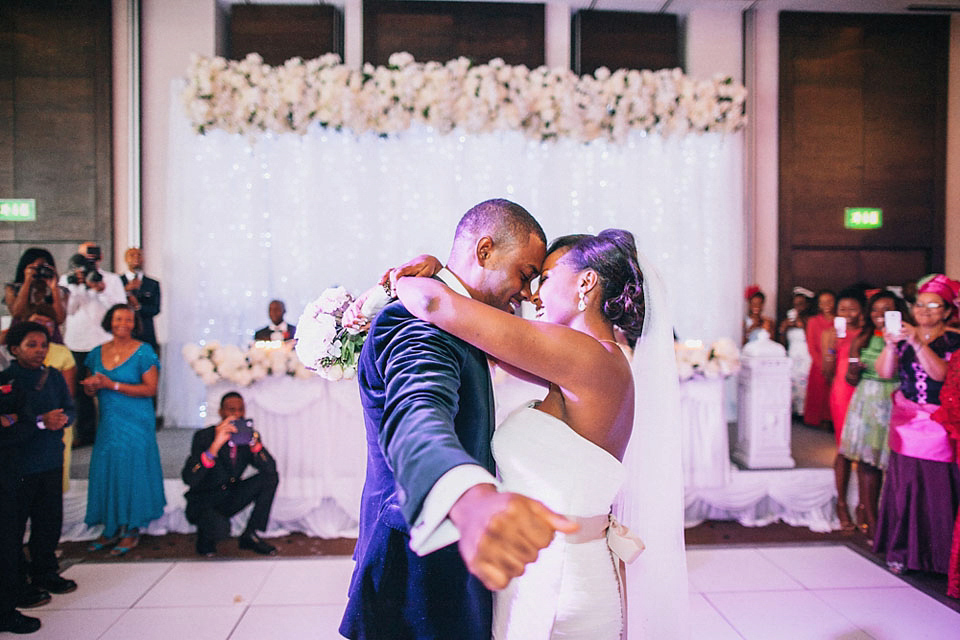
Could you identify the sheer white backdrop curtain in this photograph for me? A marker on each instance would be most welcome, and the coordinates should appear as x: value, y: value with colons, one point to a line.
x: 284, y: 216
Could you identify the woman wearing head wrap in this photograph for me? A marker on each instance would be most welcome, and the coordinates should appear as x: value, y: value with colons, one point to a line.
x: 920, y: 496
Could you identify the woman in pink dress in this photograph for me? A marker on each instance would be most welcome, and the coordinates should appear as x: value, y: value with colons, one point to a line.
x: 949, y: 416
x: 835, y: 347
x: 816, y: 410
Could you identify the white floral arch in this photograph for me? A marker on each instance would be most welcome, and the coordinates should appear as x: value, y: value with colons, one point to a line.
x: 270, y: 202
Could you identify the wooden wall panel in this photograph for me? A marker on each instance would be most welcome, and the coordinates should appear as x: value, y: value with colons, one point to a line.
x: 624, y: 40
x: 862, y: 123
x: 442, y: 31
x: 56, y: 130
x: 279, y: 32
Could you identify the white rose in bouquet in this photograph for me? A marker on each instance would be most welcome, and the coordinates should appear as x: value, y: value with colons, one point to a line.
x: 684, y: 370
x: 333, y: 373
x: 333, y: 299
x: 314, y: 336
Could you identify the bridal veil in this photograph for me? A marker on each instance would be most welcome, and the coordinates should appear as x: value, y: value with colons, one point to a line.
x: 651, y: 501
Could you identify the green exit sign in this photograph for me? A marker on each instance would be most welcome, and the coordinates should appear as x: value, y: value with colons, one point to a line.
x: 862, y: 218
x: 18, y: 210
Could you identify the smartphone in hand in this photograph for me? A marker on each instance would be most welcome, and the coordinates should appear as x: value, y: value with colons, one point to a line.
x: 244, y: 433
x: 840, y: 324
x: 892, y: 322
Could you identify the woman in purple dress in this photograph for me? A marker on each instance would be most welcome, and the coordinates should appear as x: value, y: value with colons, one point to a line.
x: 922, y: 490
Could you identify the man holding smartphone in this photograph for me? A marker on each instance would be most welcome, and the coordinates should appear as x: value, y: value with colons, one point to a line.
x: 213, y: 471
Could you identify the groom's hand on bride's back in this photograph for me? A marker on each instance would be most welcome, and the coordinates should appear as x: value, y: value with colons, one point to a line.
x: 501, y: 533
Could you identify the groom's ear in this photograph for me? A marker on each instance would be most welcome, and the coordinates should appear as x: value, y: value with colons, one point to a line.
x: 484, y: 249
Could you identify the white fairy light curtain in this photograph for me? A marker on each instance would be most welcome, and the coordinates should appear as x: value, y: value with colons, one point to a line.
x: 264, y: 201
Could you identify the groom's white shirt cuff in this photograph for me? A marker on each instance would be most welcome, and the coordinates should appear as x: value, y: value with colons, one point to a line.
x: 433, y: 529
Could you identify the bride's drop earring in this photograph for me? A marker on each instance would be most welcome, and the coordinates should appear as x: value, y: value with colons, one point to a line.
x: 582, y: 305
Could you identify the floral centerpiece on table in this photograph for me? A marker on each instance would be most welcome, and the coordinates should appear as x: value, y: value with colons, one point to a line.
x: 215, y: 362
x: 719, y: 360
x: 324, y: 345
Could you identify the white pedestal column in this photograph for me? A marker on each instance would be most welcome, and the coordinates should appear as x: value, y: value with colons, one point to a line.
x: 763, y: 424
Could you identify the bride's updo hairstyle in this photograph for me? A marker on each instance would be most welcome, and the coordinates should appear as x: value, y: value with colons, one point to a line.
x: 612, y: 254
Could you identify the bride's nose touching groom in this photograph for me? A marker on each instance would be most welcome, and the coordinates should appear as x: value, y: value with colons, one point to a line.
x: 470, y: 533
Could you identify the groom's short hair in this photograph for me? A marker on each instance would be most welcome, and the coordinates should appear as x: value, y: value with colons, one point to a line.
x: 504, y: 221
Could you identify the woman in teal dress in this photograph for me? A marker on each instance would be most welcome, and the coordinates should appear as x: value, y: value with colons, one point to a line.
x: 125, y: 490
x: 867, y: 424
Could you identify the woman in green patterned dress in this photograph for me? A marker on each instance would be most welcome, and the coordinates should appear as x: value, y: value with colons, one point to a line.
x: 864, y: 439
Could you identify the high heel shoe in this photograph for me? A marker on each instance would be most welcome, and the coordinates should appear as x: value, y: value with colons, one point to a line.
x: 121, y: 550
x: 862, y: 524
x: 102, y: 543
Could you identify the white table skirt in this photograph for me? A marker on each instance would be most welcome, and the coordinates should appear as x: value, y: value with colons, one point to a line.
x: 314, y: 429
x: 705, y: 444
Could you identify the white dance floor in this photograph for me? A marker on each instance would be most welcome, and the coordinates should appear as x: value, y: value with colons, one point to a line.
x: 814, y: 592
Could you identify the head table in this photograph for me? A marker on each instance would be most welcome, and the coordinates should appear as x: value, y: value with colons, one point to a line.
x: 314, y: 428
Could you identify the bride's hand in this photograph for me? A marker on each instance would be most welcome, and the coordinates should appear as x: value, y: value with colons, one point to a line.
x: 357, y: 316
x: 354, y: 319
x: 422, y: 265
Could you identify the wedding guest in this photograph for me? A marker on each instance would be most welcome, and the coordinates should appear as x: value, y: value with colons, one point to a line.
x: 755, y: 321
x: 867, y: 424
x: 949, y: 416
x: 793, y: 335
x: 60, y: 358
x: 918, y: 502
x: 143, y: 294
x: 16, y: 425
x: 92, y: 292
x: 214, y: 472
x: 35, y: 283
x: 41, y: 461
x: 835, y: 347
x: 125, y: 490
x: 278, y: 329
x: 816, y: 407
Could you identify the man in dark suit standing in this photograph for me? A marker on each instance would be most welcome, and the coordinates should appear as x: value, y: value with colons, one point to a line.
x: 278, y: 329
x: 428, y: 409
x: 213, y: 471
x: 143, y: 294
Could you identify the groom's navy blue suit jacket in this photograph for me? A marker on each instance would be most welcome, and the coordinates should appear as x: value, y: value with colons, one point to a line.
x: 428, y: 407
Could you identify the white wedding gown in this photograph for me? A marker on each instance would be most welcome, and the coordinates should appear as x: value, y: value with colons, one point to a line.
x: 572, y: 590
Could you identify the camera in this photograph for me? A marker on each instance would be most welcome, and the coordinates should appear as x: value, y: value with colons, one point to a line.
x: 244, y: 434
x: 45, y: 272
x: 90, y: 273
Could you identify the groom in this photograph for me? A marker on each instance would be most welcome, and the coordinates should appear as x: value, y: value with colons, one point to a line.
x: 428, y: 409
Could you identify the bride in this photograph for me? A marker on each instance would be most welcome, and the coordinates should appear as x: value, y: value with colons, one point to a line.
x: 572, y: 450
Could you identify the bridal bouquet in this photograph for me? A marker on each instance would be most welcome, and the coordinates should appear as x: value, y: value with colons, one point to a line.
x: 323, y: 344
x: 720, y: 360
x: 215, y: 362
